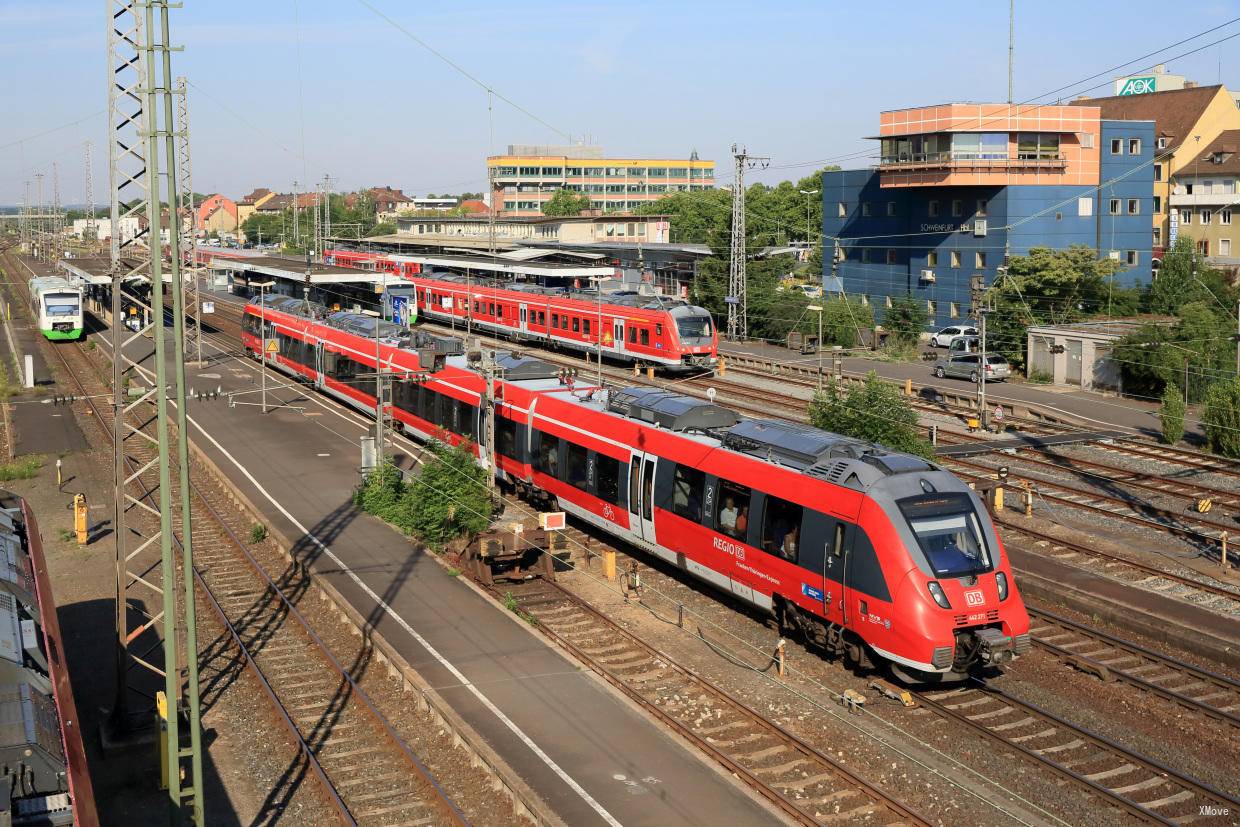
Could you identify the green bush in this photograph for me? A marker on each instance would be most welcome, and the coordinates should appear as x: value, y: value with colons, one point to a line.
x: 1221, y: 417
x: 874, y: 411
x: 906, y: 319
x: 1172, y: 414
x: 1039, y: 377
x: 447, y: 499
x: 258, y: 533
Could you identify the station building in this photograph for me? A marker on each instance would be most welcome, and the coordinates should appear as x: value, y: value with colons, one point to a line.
x: 961, y: 186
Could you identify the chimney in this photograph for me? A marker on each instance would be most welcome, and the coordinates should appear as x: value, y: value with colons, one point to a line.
x: 1190, y: 84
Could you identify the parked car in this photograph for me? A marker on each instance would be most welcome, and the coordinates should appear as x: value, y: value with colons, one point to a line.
x: 964, y: 344
x: 812, y: 291
x: 968, y: 366
x: 945, y: 336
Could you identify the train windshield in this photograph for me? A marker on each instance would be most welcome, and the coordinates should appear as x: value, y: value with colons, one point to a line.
x: 947, y: 529
x: 694, y: 327
x: 62, y: 304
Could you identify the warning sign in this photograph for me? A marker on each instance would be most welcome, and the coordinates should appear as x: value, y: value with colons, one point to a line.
x: 272, y: 346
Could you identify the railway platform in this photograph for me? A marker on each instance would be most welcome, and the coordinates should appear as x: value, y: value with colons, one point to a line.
x: 593, y: 757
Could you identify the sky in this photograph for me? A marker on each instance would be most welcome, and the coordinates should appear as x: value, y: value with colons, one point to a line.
x: 286, y: 90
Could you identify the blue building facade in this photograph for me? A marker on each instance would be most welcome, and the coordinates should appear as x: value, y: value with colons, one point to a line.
x: 943, y: 244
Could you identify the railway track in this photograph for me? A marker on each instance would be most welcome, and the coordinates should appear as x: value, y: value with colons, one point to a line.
x: 366, y: 772
x: 1109, y: 657
x: 807, y: 785
x: 1139, y: 785
x: 1208, y: 595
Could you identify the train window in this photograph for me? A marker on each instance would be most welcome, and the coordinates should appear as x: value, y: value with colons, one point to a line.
x: 781, y: 528
x: 499, y: 312
x: 687, y: 484
x: 575, y: 465
x: 733, y: 515
x: 648, y: 490
x: 645, y: 333
x: 542, y: 318
x: 465, y: 419
x: 555, y: 321
x: 607, y: 479
x: 506, y: 437
x: 547, y: 458
x: 576, y: 325
x: 585, y: 326
x: 632, y: 335
x: 635, y: 467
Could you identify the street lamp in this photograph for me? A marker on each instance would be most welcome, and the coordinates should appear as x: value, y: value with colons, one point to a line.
x: 809, y: 223
x: 817, y: 308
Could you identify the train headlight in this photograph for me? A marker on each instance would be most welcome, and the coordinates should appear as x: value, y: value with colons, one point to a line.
x: 1001, y: 582
x: 936, y: 591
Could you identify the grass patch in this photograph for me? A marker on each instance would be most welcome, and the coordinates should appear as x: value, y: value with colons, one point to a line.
x: 258, y: 533
x: 20, y: 469
x: 1039, y: 377
x: 67, y: 534
x: 454, y: 572
x: 510, y: 603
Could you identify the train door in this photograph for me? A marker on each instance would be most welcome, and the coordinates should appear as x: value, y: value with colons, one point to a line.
x: 833, y: 568
x: 618, y: 335
x: 320, y: 368
x: 641, y: 495
x: 524, y: 318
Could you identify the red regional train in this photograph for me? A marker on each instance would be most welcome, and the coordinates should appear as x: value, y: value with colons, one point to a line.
x: 880, y: 557
x: 648, y: 330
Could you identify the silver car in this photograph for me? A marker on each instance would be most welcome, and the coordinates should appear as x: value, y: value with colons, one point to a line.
x: 968, y: 366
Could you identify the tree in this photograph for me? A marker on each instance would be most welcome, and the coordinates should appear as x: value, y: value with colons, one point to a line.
x: 905, y: 319
x: 384, y: 228
x: 1172, y: 414
x: 263, y: 226
x: 566, y: 202
x: 843, y: 321
x: 1052, y: 287
x: 873, y: 411
x: 1221, y: 417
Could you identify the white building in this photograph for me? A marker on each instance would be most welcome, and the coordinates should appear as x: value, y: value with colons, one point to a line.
x: 129, y: 227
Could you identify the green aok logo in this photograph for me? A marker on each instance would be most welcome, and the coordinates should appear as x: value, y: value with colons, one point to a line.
x: 1139, y: 86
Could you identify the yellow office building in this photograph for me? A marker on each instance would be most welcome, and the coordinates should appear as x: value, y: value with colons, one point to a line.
x: 524, y: 179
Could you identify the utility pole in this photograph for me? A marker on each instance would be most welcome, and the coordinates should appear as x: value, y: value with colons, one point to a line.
x: 1011, y: 45
x: 56, y: 221
x: 737, y: 298
x: 981, y: 374
x: 91, y: 231
x: 327, y: 212
x: 38, y: 216
x: 296, y: 216
x: 149, y: 598
x: 25, y: 222
x: 189, y: 225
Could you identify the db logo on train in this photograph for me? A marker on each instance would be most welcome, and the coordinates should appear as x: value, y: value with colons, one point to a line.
x: 974, y: 598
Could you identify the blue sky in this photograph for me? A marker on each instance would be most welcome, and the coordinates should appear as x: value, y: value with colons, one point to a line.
x: 798, y: 81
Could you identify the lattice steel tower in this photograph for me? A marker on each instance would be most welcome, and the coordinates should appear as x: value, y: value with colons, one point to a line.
x: 187, y: 210
x: 155, y: 629
x: 738, y: 292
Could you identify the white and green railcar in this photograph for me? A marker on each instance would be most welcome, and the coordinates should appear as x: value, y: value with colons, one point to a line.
x: 56, y: 306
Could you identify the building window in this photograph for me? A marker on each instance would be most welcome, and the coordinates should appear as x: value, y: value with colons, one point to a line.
x: 1134, y: 146
x: 1224, y: 246
x: 1162, y: 144
x: 932, y: 307
x: 955, y: 258
x: 1117, y: 146
x: 865, y: 300
x: 1203, y: 247
x: 887, y: 302
x: 954, y: 310
x: 1205, y: 216
x: 1158, y: 236
x: 842, y: 210
x: 1157, y: 204
x: 865, y: 208
x: 1134, y: 206
x: 1229, y: 186
x: 1224, y: 217
x: 932, y: 209
x: 891, y: 256
x: 981, y: 207
x: 1157, y: 172
x: 1186, y: 217
x: 1114, y: 206
x: 957, y: 207
x: 1188, y: 188
x: 865, y: 255
x: 1132, y: 258
x: 932, y: 259
x: 1087, y: 140
x: 979, y: 260
x: 1085, y: 206
x: 891, y: 208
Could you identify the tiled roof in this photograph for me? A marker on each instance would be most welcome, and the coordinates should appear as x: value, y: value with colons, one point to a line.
x: 1220, y: 155
x: 1174, y: 112
x: 254, y: 196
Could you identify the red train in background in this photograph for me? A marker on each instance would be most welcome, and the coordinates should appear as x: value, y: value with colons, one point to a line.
x: 628, y: 327
x: 879, y: 557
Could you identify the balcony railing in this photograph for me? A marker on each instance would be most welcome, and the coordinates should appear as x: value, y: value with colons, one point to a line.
x: 1206, y: 199
x: 950, y: 161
